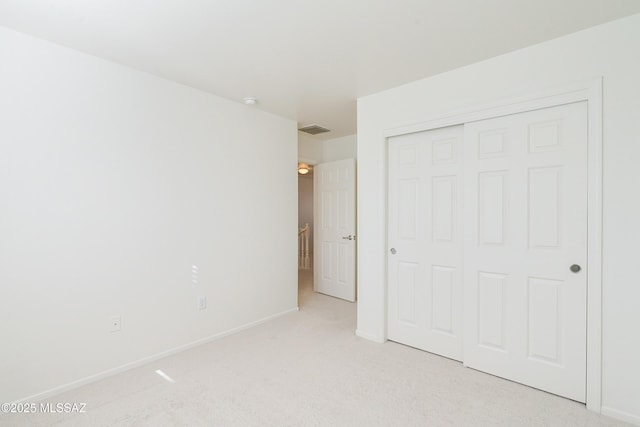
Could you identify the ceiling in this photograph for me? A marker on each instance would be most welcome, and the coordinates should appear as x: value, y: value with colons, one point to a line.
x: 305, y: 60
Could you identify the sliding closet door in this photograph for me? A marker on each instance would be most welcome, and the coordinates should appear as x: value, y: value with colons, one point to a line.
x: 425, y: 241
x: 526, y: 248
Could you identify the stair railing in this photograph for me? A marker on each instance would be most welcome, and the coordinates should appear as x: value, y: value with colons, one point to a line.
x: 304, y: 258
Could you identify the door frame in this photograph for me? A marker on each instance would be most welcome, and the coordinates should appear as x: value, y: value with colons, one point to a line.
x: 591, y: 92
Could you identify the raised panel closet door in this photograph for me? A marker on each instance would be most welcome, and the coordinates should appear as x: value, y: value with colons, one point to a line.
x: 425, y: 241
x: 525, y: 226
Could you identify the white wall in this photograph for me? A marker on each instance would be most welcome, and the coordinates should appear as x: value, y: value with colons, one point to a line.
x: 315, y: 150
x: 113, y: 183
x: 612, y: 51
x: 309, y: 148
x: 339, y: 148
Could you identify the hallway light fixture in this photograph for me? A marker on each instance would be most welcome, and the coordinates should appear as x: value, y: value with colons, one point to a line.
x: 303, y: 168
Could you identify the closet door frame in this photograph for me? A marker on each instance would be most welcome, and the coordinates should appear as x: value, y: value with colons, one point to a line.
x: 591, y: 92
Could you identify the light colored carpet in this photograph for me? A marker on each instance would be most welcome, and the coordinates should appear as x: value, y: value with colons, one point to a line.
x: 309, y: 369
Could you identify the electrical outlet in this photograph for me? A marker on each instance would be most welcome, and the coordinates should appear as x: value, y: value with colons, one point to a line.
x: 202, y: 303
x: 115, y: 323
x: 194, y: 274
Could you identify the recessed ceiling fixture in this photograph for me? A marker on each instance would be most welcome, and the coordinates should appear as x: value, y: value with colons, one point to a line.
x: 314, y: 129
x: 249, y: 100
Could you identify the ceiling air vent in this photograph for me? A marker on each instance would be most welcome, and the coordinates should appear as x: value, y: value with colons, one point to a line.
x: 314, y: 129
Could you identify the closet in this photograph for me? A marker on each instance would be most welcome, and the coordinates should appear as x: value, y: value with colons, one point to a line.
x: 487, y: 236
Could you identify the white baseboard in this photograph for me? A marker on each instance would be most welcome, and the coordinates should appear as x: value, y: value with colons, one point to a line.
x: 110, y: 372
x: 369, y: 337
x: 621, y: 415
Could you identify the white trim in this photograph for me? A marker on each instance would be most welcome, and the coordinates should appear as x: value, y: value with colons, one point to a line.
x: 621, y: 415
x: 592, y: 93
x: 594, y: 248
x: 110, y: 372
x: 514, y: 105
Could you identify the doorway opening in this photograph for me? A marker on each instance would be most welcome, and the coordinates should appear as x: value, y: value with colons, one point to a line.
x: 305, y: 232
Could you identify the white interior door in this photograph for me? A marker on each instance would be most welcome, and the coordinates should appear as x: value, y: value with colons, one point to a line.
x: 425, y: 241
x: 526, y: 226
x: 335, y: 228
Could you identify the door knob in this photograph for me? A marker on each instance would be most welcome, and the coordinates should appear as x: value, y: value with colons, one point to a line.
x: 575, y: 268
x: 393, y: 251
x: 349, y: 237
